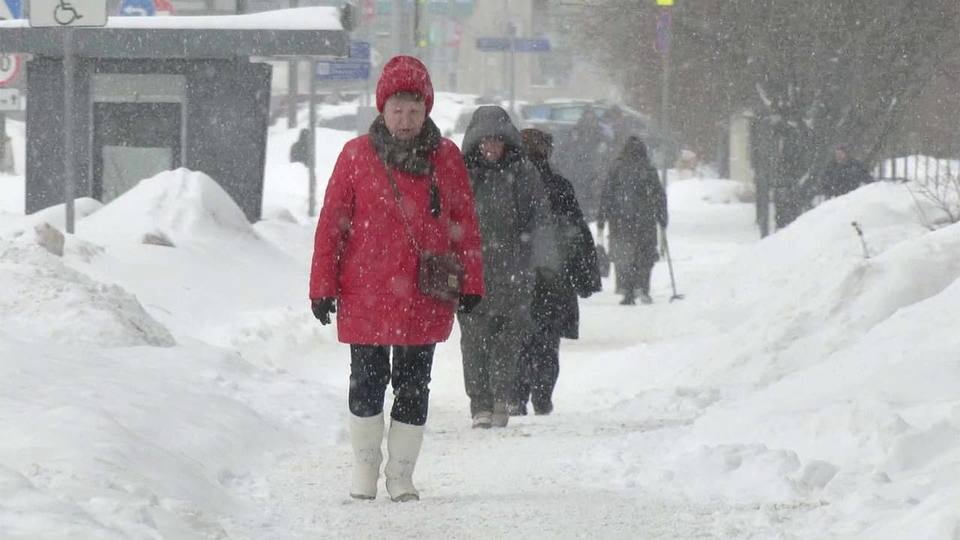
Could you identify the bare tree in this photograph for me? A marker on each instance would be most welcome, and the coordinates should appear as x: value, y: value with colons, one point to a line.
x: 813, y: 73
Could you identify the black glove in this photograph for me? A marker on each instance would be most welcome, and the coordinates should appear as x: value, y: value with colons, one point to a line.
x: 323, y: 307
x: 468, y: 302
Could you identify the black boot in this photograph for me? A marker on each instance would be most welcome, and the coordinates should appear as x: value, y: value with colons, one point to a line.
x: 628, y: 299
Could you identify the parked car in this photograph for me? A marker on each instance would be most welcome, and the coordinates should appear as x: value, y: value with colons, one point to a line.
x: 559, y: 116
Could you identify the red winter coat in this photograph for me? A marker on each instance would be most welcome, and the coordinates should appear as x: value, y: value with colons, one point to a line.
x: 363, y: 255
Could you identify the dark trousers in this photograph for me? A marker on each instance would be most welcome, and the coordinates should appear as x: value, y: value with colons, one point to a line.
x: 370, y: 372
x: 637, y: 275
x: 490, y: 346
x: 539, y: 369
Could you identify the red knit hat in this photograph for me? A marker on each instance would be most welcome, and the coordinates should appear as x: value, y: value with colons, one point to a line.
x: 404, y: 74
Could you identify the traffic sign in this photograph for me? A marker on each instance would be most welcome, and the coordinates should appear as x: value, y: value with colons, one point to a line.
x: 145, y: 8
x: 354, y: 68
x: 11, y: 100
x: 68, y: 13
x: 9, y: 68
x: 137, y: 8
x: 524, y: 45
x: 343, y: 70
x: 664, y: 2
x: 10, y: 9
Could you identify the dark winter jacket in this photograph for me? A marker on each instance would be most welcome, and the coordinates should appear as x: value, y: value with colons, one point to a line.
x: 517, y: 234
x: 555, y: 296
x: 842, y: 177
x: 634, y: 203
x: 580, y: 157
x: 300, y: 151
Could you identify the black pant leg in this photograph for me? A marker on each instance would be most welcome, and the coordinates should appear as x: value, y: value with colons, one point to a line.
x: 644, y: 272
x: 411, y: 383
x: 545, y: 368
x: 369, y: 375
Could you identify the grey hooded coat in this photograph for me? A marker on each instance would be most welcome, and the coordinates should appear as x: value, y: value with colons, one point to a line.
x: 517, y: 229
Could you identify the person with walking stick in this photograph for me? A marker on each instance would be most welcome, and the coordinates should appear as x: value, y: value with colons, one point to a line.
x: 634, y: 203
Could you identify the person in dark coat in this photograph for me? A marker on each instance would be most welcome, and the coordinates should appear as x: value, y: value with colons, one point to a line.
x: 555, y: 308
x: 397, y: 190
x: 634, y: 203
x: 581, y: 156
x: 300, y: 151
x: 518, y: 241
x: 844, y: 174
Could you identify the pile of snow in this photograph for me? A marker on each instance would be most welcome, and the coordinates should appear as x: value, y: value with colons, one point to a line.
x: 836, y: 373
x: 183, y: 205
x: 126, y: 443
x: 42, y: 299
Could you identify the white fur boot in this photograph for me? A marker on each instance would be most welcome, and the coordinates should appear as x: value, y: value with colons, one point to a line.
x: 403, y: 447
x: 366, y: 436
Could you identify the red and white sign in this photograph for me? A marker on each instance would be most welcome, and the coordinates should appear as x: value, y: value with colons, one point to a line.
x: 9, y: 68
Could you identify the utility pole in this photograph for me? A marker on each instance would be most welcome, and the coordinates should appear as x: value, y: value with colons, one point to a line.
x: 312, y: 151
x: 512, y: 36
x: 664, y: 39
x: 293, y: 84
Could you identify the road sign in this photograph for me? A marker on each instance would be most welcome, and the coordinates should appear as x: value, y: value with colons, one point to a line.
x: 664, y: 2
x: 10, y: 9
x: 523, y: 45
x: 354, y: 68
x: 343, y: 70
x: 9, y: 68
x: 11, y: 100
x: 68, y: 13
x: 137, y: 8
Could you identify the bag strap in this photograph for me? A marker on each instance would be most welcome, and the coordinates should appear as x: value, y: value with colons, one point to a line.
x: 403, y: 215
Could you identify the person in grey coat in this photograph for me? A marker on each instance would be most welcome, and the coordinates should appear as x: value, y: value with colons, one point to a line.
x: 634, y: 203
x: 518, y: 241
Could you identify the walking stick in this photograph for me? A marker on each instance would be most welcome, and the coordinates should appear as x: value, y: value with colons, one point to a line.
x: 666, y: 251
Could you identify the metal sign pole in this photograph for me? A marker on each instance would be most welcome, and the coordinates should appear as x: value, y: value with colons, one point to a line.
x: 69, y: 161
x: 312, y: 151
x: 512, y: 34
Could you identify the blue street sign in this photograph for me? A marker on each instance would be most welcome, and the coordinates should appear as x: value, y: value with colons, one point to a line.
x: 138, y: 8
x: 10, y: 9
x: 360, y: 50
x: 522, y: 45
x: 355, y: 68
x: 343, y: 70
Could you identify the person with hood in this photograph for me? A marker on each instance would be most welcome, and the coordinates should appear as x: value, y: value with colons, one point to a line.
x: 844, y: 174
x: 634, y: 203
x: 518, y: 242
x: 395, y: 192
x: 555, y: 307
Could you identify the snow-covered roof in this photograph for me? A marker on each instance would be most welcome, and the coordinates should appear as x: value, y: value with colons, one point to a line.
x: 307, y: 31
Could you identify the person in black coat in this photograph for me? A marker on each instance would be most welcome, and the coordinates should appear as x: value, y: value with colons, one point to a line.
x: 844, y: 174
x: 300, y: 151
x: 555, y: 308
x: 634, y: 203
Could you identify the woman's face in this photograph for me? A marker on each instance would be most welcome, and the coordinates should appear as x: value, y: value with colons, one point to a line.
x: 491, y: 148
x: 404, y: 117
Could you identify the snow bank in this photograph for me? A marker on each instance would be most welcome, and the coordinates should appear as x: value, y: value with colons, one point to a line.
x: 184, y: 205
x: 125, y: 443
x: 838, y: 374
x: 808, y: 291
x: 42, y: 299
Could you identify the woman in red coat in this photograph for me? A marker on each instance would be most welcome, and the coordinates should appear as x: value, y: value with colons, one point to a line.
x: 365, y: 267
